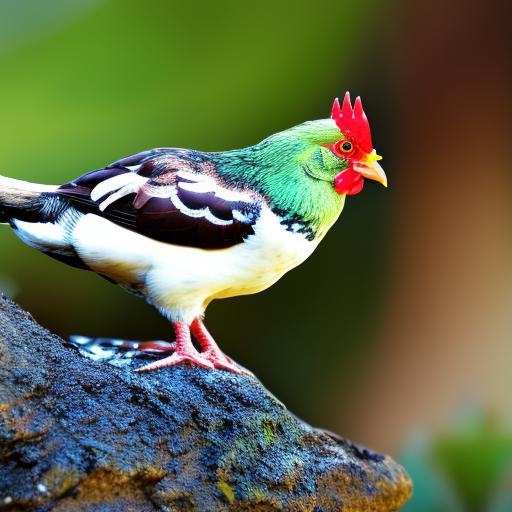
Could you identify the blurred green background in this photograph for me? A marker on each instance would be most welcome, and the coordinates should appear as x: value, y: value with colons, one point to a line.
x: 401, y: 319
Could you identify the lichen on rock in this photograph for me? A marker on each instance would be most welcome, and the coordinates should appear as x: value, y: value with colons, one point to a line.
x: 85, y: 435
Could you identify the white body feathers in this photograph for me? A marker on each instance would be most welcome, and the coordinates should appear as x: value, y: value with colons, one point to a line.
x: 179, y: 280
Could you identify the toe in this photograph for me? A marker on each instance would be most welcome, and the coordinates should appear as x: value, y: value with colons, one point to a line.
x: 222, y: 362
x: 177, y: 359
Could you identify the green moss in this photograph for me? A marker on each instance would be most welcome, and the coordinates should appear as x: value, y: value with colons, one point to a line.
x: 259, y: 495
x: 269, y: 431
x: 227, y: 490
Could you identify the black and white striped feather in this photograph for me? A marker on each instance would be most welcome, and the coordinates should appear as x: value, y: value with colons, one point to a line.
x: 173, y: 196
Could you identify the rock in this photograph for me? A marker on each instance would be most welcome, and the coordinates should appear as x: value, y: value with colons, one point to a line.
x: 78, y: 434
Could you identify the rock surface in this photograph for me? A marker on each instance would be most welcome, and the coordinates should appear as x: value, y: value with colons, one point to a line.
x: 77, y: 434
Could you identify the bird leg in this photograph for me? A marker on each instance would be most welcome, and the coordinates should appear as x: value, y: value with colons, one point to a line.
x: 210, y: 349
x: 185, y: 352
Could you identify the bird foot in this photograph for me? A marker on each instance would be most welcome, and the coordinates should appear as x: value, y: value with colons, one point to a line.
x: 222, y: 362
x: 191, y: 358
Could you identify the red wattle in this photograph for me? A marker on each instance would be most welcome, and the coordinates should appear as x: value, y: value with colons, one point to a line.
x: 349, y: 182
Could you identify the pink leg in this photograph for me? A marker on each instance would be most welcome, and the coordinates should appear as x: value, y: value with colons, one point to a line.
x: 185, y: 352
x: 210, y: 349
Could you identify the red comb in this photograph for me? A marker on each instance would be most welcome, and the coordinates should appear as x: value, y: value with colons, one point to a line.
x: 353, y: 122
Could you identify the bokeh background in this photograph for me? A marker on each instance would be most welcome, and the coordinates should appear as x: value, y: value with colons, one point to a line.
x: 397, y: 331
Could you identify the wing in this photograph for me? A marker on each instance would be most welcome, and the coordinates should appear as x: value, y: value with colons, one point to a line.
x: 174, y: 196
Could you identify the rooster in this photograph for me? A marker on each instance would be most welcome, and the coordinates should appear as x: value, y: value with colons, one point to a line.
x: 182, y: 227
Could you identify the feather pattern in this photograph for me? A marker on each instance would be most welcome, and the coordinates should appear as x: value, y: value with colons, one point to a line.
x: 266, y: 206
x: 173, y: 196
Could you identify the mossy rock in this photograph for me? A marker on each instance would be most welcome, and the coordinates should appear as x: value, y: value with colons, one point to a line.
x: 77, y: 434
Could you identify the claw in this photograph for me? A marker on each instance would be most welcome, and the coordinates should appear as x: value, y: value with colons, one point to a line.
x: 185, y: 352
x: 211, y: 356
x: 211, y: 350
x: 176, y: 359
x: 222, y: 362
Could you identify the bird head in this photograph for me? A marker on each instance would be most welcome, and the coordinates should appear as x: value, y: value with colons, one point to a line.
x: 355, y: 147
x: 341, y: 149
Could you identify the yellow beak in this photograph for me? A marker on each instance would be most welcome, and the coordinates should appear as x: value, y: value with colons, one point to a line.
x: 370, y: 169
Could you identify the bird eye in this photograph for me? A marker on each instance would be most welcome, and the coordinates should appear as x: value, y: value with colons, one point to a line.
x: 343, y: 148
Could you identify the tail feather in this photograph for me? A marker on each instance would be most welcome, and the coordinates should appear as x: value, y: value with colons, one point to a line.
x: 19, y: 196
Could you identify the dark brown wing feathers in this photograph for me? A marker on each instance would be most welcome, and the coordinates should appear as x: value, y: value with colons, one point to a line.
x: 178, y: 203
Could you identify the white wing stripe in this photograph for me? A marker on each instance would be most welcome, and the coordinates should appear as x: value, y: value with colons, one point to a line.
x: 202, y: 213
x: 129, y: 183
x: 215, y: 220
x: 201, y: 187
x: 131, y: 188
x: 240, y: 217
x: 231, y: 195
x: 192, y: 176
x: 205, y: 187
x: 115, y: 183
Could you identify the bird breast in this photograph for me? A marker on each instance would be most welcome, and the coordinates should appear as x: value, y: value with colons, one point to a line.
x: 173, y: 276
